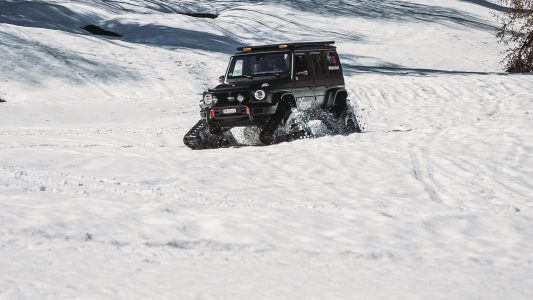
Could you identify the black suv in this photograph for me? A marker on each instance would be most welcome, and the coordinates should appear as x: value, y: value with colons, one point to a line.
x: 278, y: 89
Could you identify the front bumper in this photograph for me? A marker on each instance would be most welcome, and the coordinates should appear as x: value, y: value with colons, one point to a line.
x: 238, y: 115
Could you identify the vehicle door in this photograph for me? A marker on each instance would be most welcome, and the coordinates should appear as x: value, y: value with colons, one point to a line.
x: 319, y: 77
x: 303, y: 84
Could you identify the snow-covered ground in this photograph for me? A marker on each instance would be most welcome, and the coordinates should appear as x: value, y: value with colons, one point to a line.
x: 100, y: 199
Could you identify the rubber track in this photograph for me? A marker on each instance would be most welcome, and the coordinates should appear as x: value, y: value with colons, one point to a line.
x: 192, y: 139
x: 199, y: 138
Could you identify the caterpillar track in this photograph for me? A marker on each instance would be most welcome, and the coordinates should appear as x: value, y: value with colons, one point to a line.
x: 199, y: 137
x: 285, y: 126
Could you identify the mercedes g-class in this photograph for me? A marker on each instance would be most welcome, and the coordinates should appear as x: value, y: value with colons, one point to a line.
x: 279, y: 89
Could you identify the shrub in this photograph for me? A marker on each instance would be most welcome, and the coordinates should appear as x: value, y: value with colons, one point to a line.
x: 517, y: 33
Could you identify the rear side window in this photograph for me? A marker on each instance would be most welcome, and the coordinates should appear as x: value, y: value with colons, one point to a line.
x: 318, y: 64
x: 334, y: 65
x: 300, y: 67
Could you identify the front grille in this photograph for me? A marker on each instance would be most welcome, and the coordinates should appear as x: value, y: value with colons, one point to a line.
x: 231, y: 98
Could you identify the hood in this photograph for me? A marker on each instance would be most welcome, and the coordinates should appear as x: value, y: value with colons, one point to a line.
x: 243, y: 85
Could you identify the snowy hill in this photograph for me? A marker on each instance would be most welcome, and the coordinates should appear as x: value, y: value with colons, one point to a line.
x: 100, y: 199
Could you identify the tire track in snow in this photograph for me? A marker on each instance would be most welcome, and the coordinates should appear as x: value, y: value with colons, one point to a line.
x: 100, y: 131
x: 447, y: 125
x: 423, y: 172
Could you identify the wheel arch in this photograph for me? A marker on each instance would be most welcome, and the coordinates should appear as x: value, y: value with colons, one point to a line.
x: 337, y: 97
x: 286, y: 97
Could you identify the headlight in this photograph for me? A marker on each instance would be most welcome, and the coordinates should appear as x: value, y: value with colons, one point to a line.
x: 240, y: 98
x: 260, y: 94
x: 208, y: 99
x: 215, y: 99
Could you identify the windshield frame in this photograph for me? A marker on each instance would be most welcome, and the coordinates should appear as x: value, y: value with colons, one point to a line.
x: 266, y: 74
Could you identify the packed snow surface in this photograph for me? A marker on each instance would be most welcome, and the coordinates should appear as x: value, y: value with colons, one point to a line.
x: 100, y: 199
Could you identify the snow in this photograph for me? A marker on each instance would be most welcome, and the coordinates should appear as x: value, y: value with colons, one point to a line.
x: 100, y: 199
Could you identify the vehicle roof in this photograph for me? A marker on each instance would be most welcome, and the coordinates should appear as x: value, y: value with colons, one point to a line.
x: 287, y: 46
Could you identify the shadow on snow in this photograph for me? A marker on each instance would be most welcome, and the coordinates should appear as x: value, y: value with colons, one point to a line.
x: 26, y: 59
x: 57, y: 17
x: 350, y: 69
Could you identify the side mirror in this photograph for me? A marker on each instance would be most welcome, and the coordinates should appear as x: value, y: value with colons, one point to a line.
x: 221, y: 79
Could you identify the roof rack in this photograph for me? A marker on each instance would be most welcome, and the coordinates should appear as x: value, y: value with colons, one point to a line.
x: 286, y: 45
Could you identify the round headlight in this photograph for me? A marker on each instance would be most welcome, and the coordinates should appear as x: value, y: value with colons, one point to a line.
x: 208, y: 99
x: 240, y: 98
x: 260, y: 94
x: 215, y: 99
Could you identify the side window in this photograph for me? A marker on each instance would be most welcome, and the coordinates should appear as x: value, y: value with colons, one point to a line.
x: 300, y: 67
x: 334, y: 66
x: 318, y: 64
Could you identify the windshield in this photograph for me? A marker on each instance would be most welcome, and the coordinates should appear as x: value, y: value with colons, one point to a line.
x: 254, y: 65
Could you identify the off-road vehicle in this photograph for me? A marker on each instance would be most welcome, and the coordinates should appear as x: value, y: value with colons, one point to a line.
x: 277, y: 89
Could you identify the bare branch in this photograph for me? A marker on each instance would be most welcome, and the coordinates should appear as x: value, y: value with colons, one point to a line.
x: 517, y: 33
